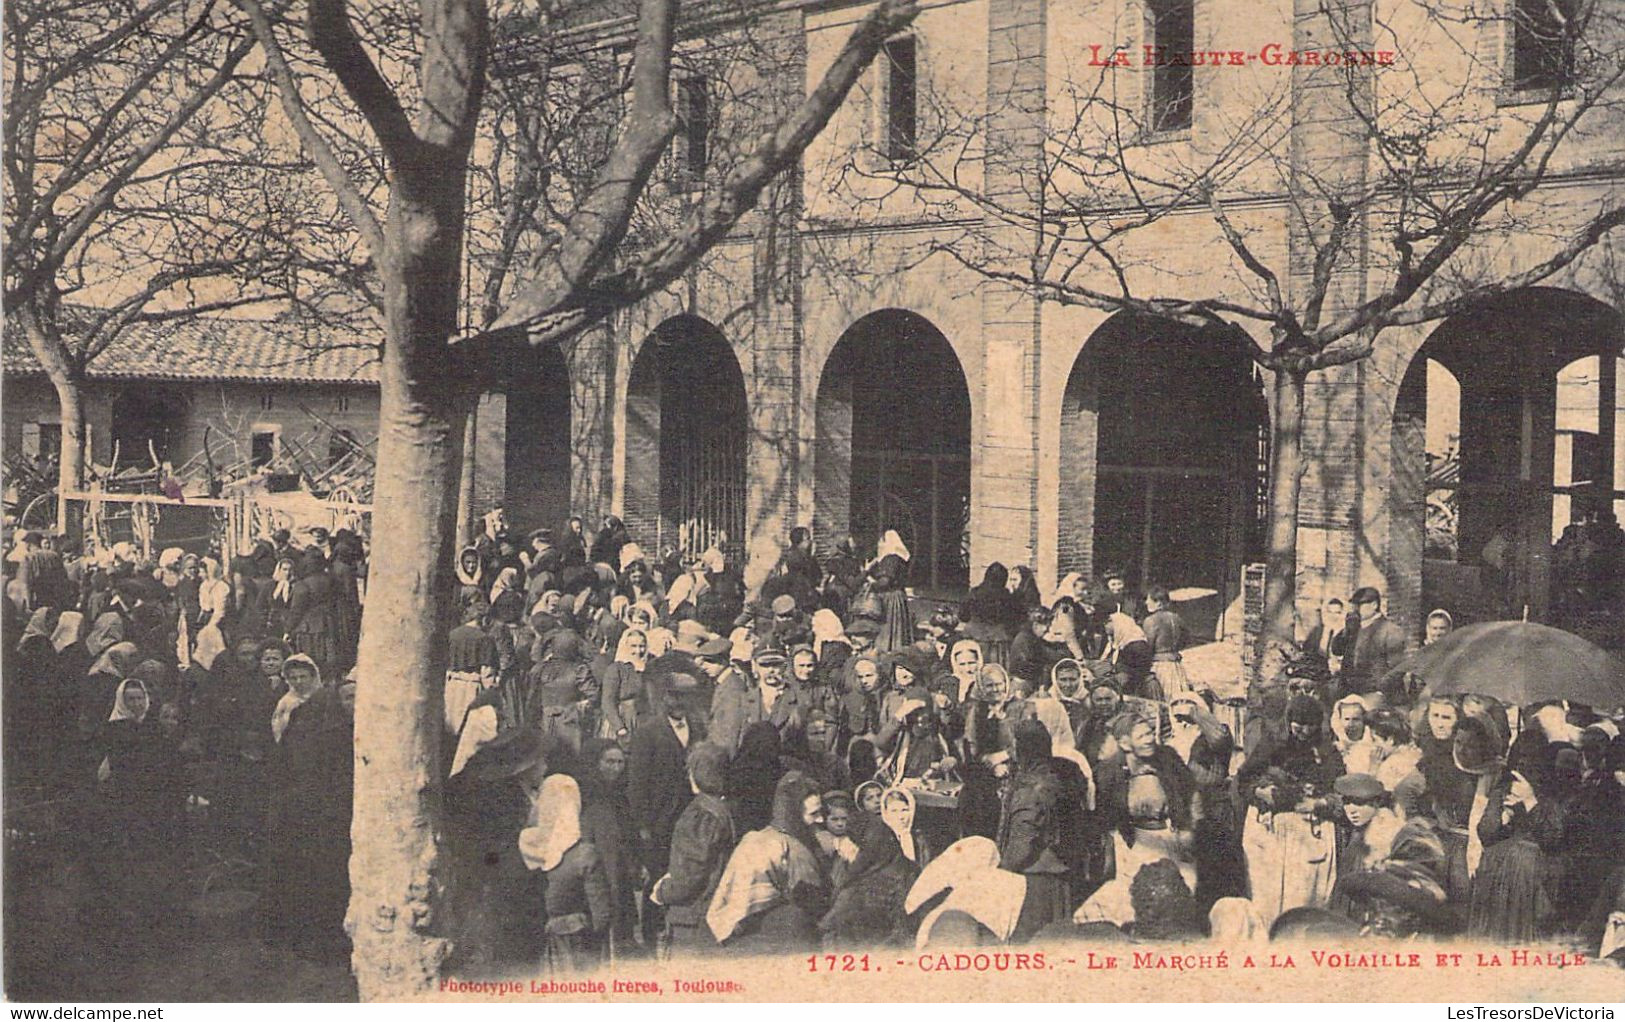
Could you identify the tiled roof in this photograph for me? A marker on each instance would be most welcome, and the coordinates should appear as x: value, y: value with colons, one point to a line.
x: 242, y: 350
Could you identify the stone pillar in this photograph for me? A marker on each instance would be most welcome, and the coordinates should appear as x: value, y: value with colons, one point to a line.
x: 1328, y: 153
x: 1004, y: 464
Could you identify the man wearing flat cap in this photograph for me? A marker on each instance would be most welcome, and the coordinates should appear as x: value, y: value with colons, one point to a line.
x: 744, y: 698
x: 1379, y: 646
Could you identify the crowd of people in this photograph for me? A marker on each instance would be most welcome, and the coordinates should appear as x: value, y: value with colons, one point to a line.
x: 642, y: 758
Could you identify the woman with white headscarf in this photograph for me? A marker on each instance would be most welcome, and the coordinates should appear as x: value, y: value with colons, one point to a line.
x: 214, y: 603
x: 625, y: 700
x: 307, y: 855
x: 139, y: 819
x: 577, y: 901
x: 868, y: 908
x: 887, y: 577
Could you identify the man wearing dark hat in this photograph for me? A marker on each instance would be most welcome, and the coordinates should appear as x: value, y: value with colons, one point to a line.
x: 861, y: 634
x: 790, y: 626
x: 1368, y: 824
x: 543, y: 564
x: 657, y: 784
x: 742, y: 699
x: 1379, y: 646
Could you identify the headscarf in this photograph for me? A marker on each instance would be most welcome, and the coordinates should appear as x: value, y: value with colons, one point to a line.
x: 121, y: 709
x: 900, y: 822
x: 966, y: 684
x: 1235, y: 921
x: 283, y: 577
x: 171, y: 558
x: 107, y: 630
x: 555, y: 823
x: 1062, y: 743
x: 292, y: 700
x: 1123, y: 630
x: 826, y: 627
x: 891, y: 543
x: 466, y: 577
x: 631, y: 553
x: 507, y: 582
x: 39, y: 625
x: 768, y: 864
x: 119, y: 660
x: 713, y: 560
x: 1064, y: 587
x: 969, y: 871
x: 623, y: 650
x: 68, y: 627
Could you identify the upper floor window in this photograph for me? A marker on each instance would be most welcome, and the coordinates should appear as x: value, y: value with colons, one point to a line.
x: 694, y: 118
x: 1542, y: 43
x: 902, y: 97
x: 1171, y: 28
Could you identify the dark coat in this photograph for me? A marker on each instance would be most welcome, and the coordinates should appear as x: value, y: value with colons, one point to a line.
x: 701, y: 843
x: 307, y: 857
x: 657, y: 788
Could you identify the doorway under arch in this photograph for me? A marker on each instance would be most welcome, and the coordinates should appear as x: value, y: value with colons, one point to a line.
x: 687, y: 424
x: 893, y: 446
x: 1508, y: 475
x: 1164, y: 457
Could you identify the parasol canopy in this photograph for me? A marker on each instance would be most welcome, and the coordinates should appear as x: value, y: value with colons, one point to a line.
x: 1520, y: 662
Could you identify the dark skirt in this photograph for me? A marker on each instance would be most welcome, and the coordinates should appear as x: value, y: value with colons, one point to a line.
x: 897, y: 628
x: 1509, y: 893
x: 1048, y: 900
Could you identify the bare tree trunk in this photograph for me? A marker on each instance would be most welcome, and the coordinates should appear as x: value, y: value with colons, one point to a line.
x: 71, y: 459
x: 1281, y: 531
x: 398, y: 877
x: 465, y: 480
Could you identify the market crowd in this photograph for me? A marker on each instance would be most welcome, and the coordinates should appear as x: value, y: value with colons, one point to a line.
x: 641, y: 758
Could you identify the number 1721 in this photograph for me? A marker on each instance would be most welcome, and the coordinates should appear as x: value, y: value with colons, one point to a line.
x: 839, y: 963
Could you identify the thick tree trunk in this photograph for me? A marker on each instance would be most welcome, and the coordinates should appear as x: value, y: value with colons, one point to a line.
x: 465, y: 480
x: 1281, y: 531
x: 71, y: 459
x: 397, y: 874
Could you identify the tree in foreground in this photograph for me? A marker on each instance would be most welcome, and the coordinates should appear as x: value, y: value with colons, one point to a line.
x: 423, y: 116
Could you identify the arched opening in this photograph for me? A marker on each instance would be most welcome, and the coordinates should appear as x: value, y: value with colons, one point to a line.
x: 1508, y: 475
x: 686, y: 431
x: 893, y: 421
x: 1164, y: 452
x: 147, y: 421
x: 536, y: 454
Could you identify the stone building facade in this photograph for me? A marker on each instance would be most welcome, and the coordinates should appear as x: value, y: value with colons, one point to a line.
x: 834, y: 364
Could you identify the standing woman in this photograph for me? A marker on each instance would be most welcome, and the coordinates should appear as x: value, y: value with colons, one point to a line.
x: 346, y: 571
x: 608, y: 824
x: 312, y: 615
x: 274, y: 606
x: 990, y: 615
x: 1166, y: 632
x: 140, y: 807
x: 307, y: 853
x: 887, y: 576
x: 625, y: 698
x: 577, y: 899
x: 214, y: 603
x: 773, y: 891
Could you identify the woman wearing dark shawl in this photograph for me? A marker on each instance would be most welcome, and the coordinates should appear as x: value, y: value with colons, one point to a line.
x: 313, y: 627
x: 991, y: 615
x: 606, y: 822
x: 754, y: 774
x: 307, y: 854
x: 773, y: 891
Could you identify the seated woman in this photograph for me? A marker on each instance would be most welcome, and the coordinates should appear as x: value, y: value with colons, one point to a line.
x: 772, y: 892
x: 578, y: 894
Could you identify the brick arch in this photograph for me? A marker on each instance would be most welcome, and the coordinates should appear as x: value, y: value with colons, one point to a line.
x: 687, y: 430
x: 1505, y: 354
x: 1160, y: 434
x: 893, y: 428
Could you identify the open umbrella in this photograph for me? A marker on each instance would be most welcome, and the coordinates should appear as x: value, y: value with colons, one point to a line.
x: 1519, y: 662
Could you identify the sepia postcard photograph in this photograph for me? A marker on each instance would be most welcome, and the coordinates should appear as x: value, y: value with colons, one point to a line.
x: 527, y: 501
